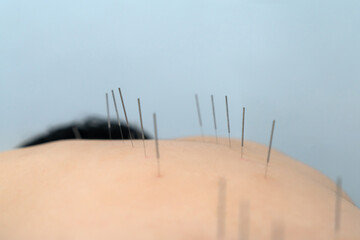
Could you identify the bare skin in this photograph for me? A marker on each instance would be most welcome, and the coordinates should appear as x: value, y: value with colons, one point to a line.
x: 109, y: 190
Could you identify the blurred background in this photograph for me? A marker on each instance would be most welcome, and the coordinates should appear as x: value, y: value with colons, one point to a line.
x: 293, y: 61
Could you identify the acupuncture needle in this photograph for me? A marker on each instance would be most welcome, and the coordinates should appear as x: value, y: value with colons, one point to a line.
x: 244, y: 220
x: 277, y: 231
x: 157, y: 145
x: 76, y: 132
x: 214, y: 117
x: 338, y: 205
x: 142, y: 127
x: 221, y: 209
x: 269, y: 151
x: 117, y: 114
x: 199, y: 115
x: 242, y: 132
x: 227, y: 116
x: 127, y: 122
x: 108, y: 115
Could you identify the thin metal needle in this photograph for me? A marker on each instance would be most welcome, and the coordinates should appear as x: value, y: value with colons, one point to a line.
x: 213, y: 110
x: 242, y: 134
x: 228, y: 121
x: 269, y: 151
x: 156, y: 145
x: 117, y: 114
x: 199, y: 115
x: 76, y: 132
x: 127, y: 122
x: 338, y: 205
x: 277, y: 231
x: 221, y: 209
x: 244, y: 223
x: 142, y: 127
x: 108, y: 115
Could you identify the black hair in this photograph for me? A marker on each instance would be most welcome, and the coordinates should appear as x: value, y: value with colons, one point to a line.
x: 91, y: 128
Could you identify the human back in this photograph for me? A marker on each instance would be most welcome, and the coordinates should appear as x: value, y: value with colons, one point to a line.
x: 79, y: 189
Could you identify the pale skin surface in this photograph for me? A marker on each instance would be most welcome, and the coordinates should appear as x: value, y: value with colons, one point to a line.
x: 109, y: 190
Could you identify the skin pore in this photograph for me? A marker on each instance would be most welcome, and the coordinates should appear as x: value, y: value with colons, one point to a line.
x: 99, y: 189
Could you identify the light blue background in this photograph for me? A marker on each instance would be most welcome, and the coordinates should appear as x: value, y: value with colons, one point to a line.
x: 293, y: 61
